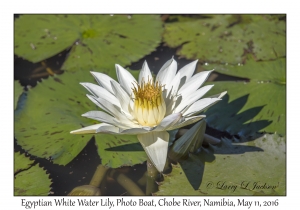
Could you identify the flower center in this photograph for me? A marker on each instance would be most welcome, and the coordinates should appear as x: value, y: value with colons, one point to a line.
x: 149, y: 105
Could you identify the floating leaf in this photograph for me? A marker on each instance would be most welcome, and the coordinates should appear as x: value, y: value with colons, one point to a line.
x: 250, y: 107
x: 120, y: 150
x: 248, y: 168
x: 96, y: 41
x: 21, y: 162
x: 18, y: 90
x: 224, y: 38
x: 54, y: 108
x: 32, y: 180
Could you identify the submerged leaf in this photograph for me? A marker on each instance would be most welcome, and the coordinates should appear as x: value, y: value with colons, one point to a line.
x: 96, y: 41
x: 245, y: 168
x: 29, y: 180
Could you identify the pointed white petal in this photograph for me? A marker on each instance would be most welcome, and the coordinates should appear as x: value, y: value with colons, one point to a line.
x: 155, y: 145
x: 167, y: 73
x: 113, y: 110
x: 194, y: 83
x: 175, y: 83
x: 145, y: 73
x: 135, y: 131
x: 192, y: 97
x: 170, y: 95
x: 88, y: 129
x: 97, y: 102
x: 127, y: 81
x: 176, y: 101
x: 103, y: 80
x: 94, y: 100
x: 168, y: 121
x: 186, y: 72
x: 100, y: 116
x: 187, y: 121
x: 123, y: 98
x: 220, y: 95
x: 101, y: 92
x: 126, y: 124
x: 200, y: 105
x: 106, y: 128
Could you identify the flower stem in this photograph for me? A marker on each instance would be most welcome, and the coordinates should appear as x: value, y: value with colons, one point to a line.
x: 98, y: 175
x: 152, y: 173
x: 125, y: 182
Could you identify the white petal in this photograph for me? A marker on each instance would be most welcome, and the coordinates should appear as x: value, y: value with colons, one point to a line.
x: 200, y: 105
x: 175, y: 83
x: 186, y: 72
x: 125, y: 124
x: 103, y: 80
x: 123, y: 98
x: 127, y: 81
x: 192, y: 97
x: 168, y: 121
x: 177, y: 102
x: 194, y: 83
x: 170, y: 95
x: 100, y: 116
x: 101, y: 92
x: 97, y: 128
x: 155, y: 145
x: 112, y: 109
x: 187, y: 121
x: 145, y: 73
x: 220, y: 95
x: 136, y: 131
x: 106, y: 128
x: 167, y: 73
x: 88, y: 129
x: 151, y: 118
x: 96, y: 101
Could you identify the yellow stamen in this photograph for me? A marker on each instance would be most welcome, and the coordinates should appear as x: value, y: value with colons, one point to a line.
x: 149, y: 105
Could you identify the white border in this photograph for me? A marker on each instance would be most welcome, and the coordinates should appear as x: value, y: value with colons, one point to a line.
x: 8, y: 201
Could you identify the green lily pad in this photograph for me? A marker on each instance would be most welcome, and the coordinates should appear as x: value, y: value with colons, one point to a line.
x: 230, y: 168
x: 250, y: 107
x: 224, y: 38
x: 119, y: 150
x: 96, y: 41
x: 53, y: 108
x: 21, y: 162
x: 29, y: 180
x: 18, y: 90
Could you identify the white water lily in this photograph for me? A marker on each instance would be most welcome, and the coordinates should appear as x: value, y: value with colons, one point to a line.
x: 149, y: 107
